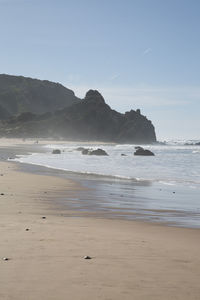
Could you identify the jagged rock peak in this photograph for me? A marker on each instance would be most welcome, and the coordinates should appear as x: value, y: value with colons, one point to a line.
x: 94, y: 95
x: 132, y: 114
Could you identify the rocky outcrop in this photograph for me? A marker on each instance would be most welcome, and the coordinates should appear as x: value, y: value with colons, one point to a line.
x: 136, y: 128
x: 100, y: 152
x: 85, y: 151
x: 143, y: 152
x: 93, y: 119
x: 56, y: 151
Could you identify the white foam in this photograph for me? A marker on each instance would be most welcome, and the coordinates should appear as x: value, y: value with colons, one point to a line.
x: 171, y: 165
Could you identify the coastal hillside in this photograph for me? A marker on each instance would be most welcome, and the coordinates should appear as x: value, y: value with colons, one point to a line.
x: 20, y: 94
x: 4, y: 114
x: 90, y: 119
x: 93, y: 119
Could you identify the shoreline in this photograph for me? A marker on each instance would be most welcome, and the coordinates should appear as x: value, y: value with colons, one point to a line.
x: 130, y: 260
x: 93, y: 199
x: 105, y: 195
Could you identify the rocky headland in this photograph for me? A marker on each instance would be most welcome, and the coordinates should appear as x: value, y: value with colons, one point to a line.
x: 35, y: 108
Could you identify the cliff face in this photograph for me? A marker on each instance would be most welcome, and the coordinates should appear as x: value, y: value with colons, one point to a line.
x: 136, y: 127
x: 94, y: 119
x: 21, y: 94
x: 90, y: 119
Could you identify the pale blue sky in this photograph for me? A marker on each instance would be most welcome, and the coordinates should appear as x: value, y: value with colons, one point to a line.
x: 137, y: 53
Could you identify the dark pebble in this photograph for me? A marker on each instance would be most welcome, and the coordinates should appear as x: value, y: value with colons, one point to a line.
x: 87, y: 257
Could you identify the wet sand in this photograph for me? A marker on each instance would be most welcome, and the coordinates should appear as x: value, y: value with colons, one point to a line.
x: 130, y: 260
x: 143, y: 200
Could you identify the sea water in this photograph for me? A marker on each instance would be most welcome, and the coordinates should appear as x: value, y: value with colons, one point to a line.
x: 174, y: 170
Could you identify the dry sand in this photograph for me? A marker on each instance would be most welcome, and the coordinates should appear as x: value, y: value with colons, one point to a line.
x: 130, y: 260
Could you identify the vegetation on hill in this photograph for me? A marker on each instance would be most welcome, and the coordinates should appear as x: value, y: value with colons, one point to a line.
x: 20, y: 94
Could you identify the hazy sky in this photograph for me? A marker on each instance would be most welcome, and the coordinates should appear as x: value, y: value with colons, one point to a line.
x: 137, y: 53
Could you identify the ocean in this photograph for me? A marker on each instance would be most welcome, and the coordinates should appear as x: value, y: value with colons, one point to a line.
x: 161, y: 188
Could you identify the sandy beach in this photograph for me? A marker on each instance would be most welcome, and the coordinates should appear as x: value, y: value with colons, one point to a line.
x: 129, y: 259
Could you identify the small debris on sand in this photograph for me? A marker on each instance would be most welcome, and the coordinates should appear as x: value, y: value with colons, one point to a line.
x: 6, y: 258
x: 87, y: 257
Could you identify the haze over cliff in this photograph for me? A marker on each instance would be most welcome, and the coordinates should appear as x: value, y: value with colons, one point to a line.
x: 35, y: 108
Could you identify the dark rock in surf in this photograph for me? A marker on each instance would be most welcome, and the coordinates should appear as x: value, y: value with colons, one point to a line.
x: 56, y: 151
x: 85, y: 151
x: 138, y: 147
x: 143, y: 152
x: 99, y: 151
